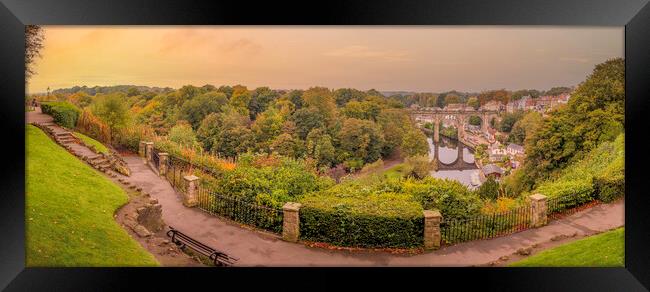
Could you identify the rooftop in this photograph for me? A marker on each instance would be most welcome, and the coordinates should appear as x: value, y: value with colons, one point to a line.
x: 492, y: 168
x: 515, y: 147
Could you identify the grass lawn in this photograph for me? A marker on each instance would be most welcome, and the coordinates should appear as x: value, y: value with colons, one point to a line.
x: 90, y: 141
x: 602, y: 250
x: 393, y: 172
x: 69, y: 212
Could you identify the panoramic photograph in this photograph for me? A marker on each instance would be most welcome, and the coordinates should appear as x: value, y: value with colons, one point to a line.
x: 333, y: 146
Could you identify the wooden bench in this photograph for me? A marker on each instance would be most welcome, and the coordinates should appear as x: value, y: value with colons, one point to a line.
x: 217, y: 257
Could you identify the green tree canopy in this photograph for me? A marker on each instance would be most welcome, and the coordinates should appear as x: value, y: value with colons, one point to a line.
x: 112, y: 110
x: 183, y: 134
x: 473, y: 102
x: 364, y: 110
x: 319, y: 147
x: 414, y: 143
x: 307, y: 119
x: 361, y: 139
x: 267, y: 126
x: 260, y: 99
x: 195, y: 109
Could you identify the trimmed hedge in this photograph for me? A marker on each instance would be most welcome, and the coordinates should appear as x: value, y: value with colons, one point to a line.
x: 609, y: 188
x: 362, y: 215
x: 344, y: 228
x: 65, y: 114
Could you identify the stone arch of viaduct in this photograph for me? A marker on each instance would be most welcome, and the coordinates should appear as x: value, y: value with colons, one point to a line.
x: 460, y: 118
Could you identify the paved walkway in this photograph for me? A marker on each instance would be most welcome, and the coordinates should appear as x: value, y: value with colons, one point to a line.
x: 258, y: 249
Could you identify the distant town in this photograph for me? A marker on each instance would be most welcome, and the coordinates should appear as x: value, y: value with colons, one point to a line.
x: 476, y: 127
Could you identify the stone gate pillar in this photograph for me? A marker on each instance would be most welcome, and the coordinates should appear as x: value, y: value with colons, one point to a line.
x: 538, y: 209
x: 148, y: 151
x: 432, y: 234
x: 141, y: 149
x: 162, y: 164
x: 291, y: 221
x: 190, y: 196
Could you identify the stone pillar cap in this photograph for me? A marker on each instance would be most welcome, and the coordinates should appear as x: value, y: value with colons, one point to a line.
x: 432, y: 214
x: 191, y: 177
x: 291, y: 206
x: 148, y: 143
x: 163, y: 153
x: 538, y: 197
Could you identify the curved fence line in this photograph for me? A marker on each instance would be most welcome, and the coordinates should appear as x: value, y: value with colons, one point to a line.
x: 486, y: 226
x: 318, y: 225
x: 248, y: 213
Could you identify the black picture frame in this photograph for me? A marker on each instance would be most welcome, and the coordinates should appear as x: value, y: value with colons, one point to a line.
x: 633, y: 14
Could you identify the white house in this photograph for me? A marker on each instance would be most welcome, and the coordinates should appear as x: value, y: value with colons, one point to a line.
x: 514, y: 149
x: 497, y: 149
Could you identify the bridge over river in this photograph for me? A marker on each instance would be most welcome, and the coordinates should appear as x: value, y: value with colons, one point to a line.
x: 454, y: 160
x: 458, y: 117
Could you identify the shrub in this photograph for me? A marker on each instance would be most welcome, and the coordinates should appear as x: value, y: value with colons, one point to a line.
x: 354, y: 214
x: 489, y: 189
x: 609, y: 188
x: 214, y: 164
x: 183, y: 134
x: 353, y: 164
x: 360, y: 230
x: 452, y: 198
x: 372, y: 167
x: 417, y: 166
x: 598, y: 175
x: 570, y: 193
x: 130, y: 137
x: 92, y: 126
x: 260, y: 179
x: 610, y: 183
x: 65, y: 114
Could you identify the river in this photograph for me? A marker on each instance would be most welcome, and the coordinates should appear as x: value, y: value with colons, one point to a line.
x: 448, y: 152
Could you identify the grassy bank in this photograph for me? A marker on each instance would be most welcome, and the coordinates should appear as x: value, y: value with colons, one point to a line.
x: 69, y: 212
x: 602, y: 250
x: 90, y: 141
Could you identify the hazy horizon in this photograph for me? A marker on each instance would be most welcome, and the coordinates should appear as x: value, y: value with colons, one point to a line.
x: 414, y: 59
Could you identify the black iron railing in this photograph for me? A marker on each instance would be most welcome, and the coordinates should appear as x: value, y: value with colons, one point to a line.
x: 486, y: 226
x: 176, y: 170
x: 241, y: 211
x: 155, y: 158
x: 565, y: 204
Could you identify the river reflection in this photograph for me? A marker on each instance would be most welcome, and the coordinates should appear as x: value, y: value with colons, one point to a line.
x: 448, y: 153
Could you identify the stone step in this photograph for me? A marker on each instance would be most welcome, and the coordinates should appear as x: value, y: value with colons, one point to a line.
x: 94, y: 158
x: 59, y: 134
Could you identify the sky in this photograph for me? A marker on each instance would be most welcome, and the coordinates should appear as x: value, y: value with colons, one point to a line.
x: 387, y: 58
